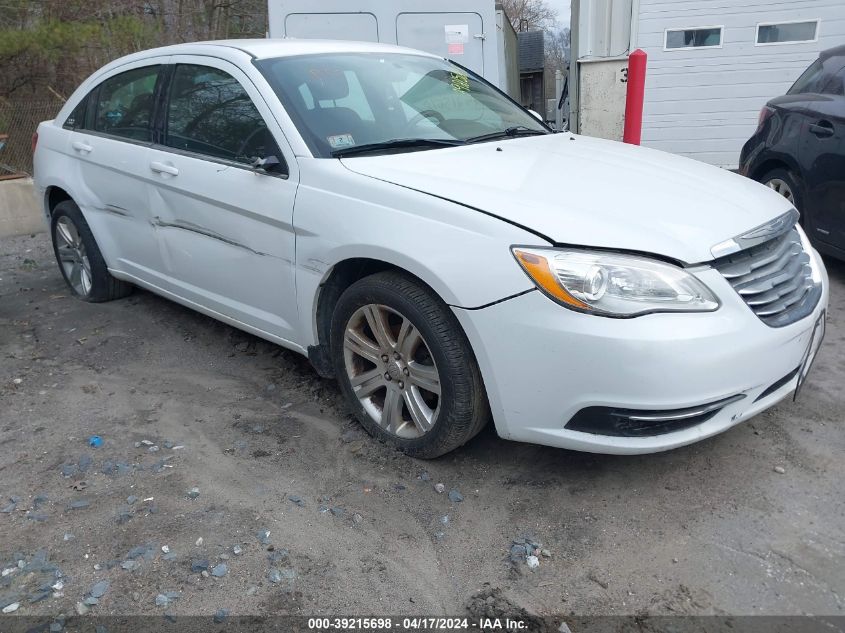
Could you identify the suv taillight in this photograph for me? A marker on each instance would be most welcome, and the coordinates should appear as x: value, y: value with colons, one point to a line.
x: 765, y: 114
x: 34, y: 141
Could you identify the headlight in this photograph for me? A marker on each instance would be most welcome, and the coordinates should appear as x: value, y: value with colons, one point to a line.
x: 611, y: 284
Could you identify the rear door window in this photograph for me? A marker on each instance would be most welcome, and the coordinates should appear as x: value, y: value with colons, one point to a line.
x: 810, y: 80
x: 210, y: 113
x: 836, y: 84
x: 125, y: 104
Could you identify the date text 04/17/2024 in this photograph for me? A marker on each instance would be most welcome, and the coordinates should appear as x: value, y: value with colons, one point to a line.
x: 416, y: 624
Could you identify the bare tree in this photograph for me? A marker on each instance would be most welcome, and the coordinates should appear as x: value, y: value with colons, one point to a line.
x: 556, y: 48
x: 191, y: 20
x: 530, y: 15
x: 557, y: 44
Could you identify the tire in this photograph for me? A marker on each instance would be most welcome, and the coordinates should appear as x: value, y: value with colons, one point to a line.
x: 787, y: 184
x: 430, y: 368
x: 79, y: 258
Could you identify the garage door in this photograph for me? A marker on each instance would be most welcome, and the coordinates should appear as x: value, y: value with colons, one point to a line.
x: 708, y: 75
x: 361, y: 27
x: 451, y: 35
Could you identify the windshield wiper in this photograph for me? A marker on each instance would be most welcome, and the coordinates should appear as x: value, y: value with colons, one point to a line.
x: 397, y: 143
x: 511, y: 132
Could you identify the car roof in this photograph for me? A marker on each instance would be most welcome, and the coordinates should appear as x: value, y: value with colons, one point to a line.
x: 267, y: 48
x: 836, y: 51
x: 239, y: 51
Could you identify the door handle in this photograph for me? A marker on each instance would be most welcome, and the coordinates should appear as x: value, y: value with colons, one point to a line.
x: 822, y: 129
x: 82, y: 147
x: 164, y: 168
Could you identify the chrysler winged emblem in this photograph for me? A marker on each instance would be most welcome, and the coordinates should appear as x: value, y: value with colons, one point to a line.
x: 757, y: 235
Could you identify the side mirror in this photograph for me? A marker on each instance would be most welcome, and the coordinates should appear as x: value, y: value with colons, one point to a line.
x: 268, y: 164
x: 537, y: 116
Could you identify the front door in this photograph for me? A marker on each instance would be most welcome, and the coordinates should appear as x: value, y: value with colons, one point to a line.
x: 225, y: 228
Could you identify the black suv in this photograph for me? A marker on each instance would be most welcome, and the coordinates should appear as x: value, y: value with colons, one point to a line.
x: 799, y: 150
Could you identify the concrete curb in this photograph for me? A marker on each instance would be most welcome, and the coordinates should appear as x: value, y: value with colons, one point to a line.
x: 20, y: 209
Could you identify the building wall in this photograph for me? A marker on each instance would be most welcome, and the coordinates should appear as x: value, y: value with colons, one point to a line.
x: 603, y: 28
x: 508, y: 51
x: 602, y: 92
x: 403, y: 22
x: 704, y: 102
x: 20, y: 208
x: 532, y: 92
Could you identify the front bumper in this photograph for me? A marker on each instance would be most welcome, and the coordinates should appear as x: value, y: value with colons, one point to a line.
x: 542, y: 364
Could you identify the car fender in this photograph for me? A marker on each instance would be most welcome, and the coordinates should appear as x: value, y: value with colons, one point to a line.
x: 763, y: 159
x: 64, y: 172
x: 54, y: 166
x: 461, y: 253
x: 777, y: 141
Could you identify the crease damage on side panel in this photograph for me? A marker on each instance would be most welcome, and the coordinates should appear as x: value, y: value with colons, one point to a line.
x: 115, y: 210
x: 195, y: 228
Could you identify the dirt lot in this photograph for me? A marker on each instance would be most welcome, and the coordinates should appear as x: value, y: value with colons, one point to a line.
x: 354, y: 527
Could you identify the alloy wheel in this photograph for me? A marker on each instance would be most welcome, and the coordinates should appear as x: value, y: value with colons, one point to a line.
x: 783, y: 188
x: 73, y: 257
x: 391, y: 371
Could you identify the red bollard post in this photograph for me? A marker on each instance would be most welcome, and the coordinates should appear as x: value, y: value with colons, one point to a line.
x: 634, y: 97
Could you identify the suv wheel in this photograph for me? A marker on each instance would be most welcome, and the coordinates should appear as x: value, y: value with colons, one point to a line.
x: 785, y: 183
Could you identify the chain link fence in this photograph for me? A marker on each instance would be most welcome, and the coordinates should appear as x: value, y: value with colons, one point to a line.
x: 18, y: 122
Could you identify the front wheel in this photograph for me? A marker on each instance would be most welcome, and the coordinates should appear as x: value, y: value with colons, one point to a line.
x: 406, y: 367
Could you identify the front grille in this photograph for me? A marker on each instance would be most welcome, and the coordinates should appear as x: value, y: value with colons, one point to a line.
x: 774, y: 278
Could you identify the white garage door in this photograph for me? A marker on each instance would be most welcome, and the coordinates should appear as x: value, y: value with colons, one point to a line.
x: 713, y: 64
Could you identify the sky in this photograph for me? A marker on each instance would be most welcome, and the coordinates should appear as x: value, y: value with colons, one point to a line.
x: 563, y: 9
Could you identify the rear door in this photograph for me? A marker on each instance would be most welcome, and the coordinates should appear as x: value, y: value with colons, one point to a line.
x: 822, y: 156
x: 225, y: 228
x: 458, y: 36
x: 111, y: 138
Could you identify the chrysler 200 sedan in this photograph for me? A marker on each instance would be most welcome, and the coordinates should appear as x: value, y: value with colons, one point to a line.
x: 433, y: 246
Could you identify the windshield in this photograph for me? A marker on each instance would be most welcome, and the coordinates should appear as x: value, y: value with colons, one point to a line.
x: 344, y: 101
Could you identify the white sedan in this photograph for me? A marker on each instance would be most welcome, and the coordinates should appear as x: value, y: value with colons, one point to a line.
x: 428, y: 242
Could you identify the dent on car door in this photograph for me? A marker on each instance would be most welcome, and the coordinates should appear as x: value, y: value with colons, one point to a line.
x: 823, y: 160
x: 225, y: 228
x: 111, y: 134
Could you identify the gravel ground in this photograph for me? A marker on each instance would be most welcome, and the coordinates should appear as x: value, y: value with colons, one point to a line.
x: 245, y: 439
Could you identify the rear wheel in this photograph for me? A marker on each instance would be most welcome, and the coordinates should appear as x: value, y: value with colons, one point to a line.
x: 80, y: 260
x: 406, y: 367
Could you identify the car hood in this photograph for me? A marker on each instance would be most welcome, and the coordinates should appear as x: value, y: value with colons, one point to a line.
x: 584, y: 191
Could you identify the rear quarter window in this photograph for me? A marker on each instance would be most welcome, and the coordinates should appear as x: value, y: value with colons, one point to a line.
x: 76, y: 120
x: 836, y: 83
x: 810, y: 79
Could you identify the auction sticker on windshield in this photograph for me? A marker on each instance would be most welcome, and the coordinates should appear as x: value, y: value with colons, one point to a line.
x: 339, y: 141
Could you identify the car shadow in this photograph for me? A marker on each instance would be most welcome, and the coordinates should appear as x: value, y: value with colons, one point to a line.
x: 514, y: 461
x: 835, y: 268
